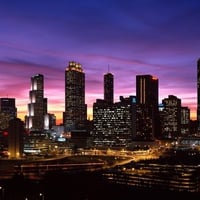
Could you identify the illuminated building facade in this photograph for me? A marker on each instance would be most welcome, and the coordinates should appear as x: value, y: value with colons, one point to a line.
x: 185, y: 121
x: 147, y: 125
x: 114, y: 124
x: 171, y: 118
x: 37, y: 108
x: 50, y: 121
x: 7, y: 105
x: 75, y: 115
x: 109, y: 88
x: 8, y: 111
x: 103, y: 120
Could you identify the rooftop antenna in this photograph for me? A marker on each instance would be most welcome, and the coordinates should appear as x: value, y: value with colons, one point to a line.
x: 108, y: 68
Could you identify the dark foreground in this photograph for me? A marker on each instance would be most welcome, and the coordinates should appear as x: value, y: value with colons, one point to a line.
x: 78, y: 186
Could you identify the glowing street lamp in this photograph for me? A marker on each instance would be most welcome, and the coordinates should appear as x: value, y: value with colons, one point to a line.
x: 1, y: 193
x: 41, y: 196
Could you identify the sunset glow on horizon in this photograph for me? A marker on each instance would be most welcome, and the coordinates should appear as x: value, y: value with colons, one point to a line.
x: 126, y: 38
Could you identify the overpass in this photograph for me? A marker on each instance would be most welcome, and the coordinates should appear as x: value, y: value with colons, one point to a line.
x: 85, y: 161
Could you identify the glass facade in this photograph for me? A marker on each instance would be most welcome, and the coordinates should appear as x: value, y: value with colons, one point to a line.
x: 148, y: 126
x: 75, y: 115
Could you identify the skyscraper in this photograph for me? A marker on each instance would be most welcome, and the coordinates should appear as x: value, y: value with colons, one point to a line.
x: 147, y: 126
x: 171, y: 120
x: 185, y: 121
x: 147, y: 89
x: 7, y: 106
x: 198, y: 95
x: 37, y: 107
x: 108, y: 88
x: 114, y: 124
x: 15, y: 138
x: 75, y: 115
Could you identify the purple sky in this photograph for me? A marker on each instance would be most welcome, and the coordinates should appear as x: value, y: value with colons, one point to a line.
x: 133, y: 37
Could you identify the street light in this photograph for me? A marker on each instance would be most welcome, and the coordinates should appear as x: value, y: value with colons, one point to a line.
x: 2, y: 193
x: 41, y: 196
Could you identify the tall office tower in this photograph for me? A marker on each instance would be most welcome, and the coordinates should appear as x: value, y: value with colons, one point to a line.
x: 75, y: 115
x: 108, y: 88
x: 7, y: 106
x: 15, y: 138
x: 198, y: 95
x: 114, y: 124
x: 147, y: 126
x: 37, y: 107
x: 185, y: 121
x: 8, y: 111
x: 171, y: 119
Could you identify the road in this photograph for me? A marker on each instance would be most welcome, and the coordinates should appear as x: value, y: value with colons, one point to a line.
x: 85, y: 160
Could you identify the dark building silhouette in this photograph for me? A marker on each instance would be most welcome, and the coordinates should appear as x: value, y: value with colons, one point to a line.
x: 8, y: 111
x: 198, y: 95
x: 193, y: 127
x: 75, y: 115
x: 7, y: 106
x: 109, y: 88
x: 15, y: 138
x: 147, y: 125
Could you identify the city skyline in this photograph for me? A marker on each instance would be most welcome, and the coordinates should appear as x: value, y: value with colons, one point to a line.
x: 127, y: 38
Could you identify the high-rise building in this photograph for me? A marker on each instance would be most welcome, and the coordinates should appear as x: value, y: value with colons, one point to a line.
x: 7, y: 106
x: 147, y: 126
x: 114, y: 124
x: 75, y: 115
x: 185, y: 121
x: 171, y: 118
x: 8, y: 111
x: 108, y: 88
x: 37, y: 108
x: 198, y: 95
x: 15, y: 138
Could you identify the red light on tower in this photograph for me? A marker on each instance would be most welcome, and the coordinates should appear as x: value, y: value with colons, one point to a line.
x: 27, y: 132
x: 5, y: 133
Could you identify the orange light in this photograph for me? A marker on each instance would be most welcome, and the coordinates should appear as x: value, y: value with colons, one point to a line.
x: 154, y: 78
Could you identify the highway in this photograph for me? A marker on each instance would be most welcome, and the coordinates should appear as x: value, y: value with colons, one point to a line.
x: 90, y: 160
